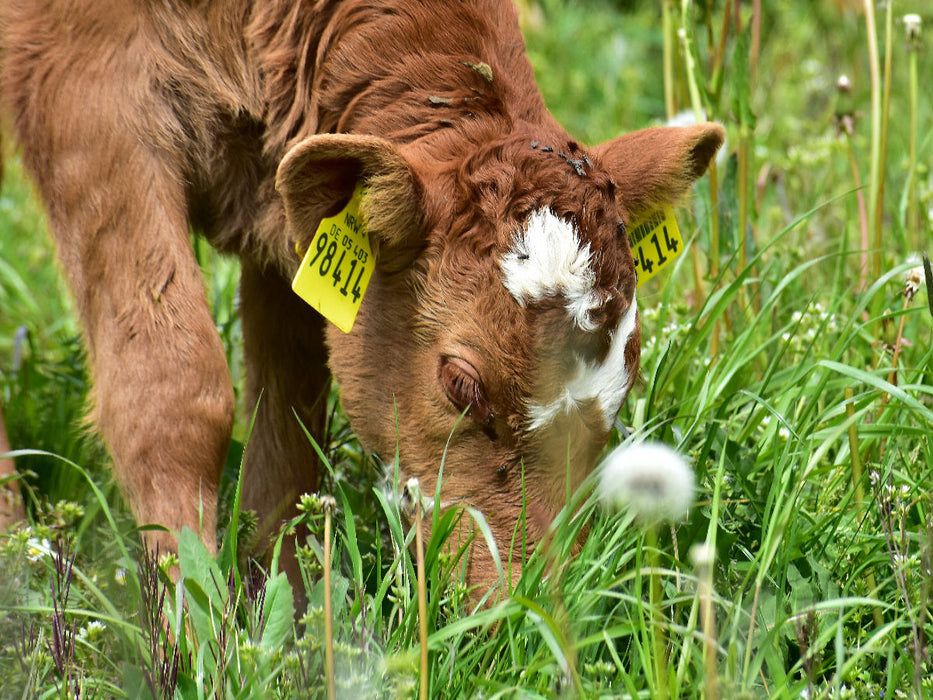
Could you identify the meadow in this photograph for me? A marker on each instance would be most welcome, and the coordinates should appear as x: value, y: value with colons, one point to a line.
x: 786, y: 354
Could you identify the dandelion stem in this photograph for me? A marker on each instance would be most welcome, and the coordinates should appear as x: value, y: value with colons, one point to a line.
x: 713, y: 221
x: 667, y: 24
x: 422, y: 601
x: 696, y: 102
x: 856, y: 474
x: 862, y: 215
x: 657, y: 618
x: 751, y: 631
x: 875, y: 71
x: 329, y: 506
x: 719, y: 57
x: 898, y: 343
x: 854, y: 446
x: 705, y: 577
x: 912, y: 222
x: 883, y: 147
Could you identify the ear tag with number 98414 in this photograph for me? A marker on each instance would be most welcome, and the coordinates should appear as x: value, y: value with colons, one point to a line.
x: 337, y: 266
x: 655, y: 242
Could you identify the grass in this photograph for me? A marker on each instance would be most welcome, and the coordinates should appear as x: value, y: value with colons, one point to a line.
x: 802, y: 394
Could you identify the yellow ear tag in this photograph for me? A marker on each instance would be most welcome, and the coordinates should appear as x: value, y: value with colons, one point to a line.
x: 655, y: 242
x: 338, y: 265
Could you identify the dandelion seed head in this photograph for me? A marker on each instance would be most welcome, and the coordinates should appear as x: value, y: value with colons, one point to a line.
x: 913, y: 280
x: 652, y: 480
x: 329, y: 504
x: 702, y: 555
x: 412, y: 496
x: 912, y: 27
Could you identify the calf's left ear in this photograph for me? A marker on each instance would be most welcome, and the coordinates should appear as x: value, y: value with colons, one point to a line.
x: 657, y: 166
x: 318, y: 175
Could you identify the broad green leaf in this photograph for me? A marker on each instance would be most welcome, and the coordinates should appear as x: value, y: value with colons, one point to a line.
x: 278, y: 612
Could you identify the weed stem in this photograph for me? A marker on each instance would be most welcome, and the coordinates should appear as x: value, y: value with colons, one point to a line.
x: 329, y: 506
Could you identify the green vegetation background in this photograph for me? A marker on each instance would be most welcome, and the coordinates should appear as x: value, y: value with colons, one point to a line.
x: 822, y: 578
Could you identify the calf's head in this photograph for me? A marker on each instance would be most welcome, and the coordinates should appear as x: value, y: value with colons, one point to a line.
x: 500, y: 332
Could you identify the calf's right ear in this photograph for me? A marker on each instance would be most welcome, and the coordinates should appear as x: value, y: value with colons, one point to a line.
x: 318, y: 175
x: 658, y: 166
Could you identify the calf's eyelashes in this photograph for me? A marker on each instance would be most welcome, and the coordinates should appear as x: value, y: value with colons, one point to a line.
x: 464, y: 388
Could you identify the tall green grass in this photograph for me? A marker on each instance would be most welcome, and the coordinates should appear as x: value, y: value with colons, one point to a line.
x: 801, y: 393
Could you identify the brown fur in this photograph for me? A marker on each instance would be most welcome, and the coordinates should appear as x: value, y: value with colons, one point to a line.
x: 11, y: 501
x: 139, y: 120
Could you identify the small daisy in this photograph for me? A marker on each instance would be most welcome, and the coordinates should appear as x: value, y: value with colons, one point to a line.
x: 652, y: 480
x: 92, y: 632
x: 36, y: 549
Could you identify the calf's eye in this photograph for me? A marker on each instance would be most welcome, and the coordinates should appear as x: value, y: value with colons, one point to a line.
x: 464, y: 388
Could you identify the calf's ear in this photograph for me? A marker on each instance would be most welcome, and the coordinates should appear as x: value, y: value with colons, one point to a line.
x: 658, y: 166
x: 318, y: 175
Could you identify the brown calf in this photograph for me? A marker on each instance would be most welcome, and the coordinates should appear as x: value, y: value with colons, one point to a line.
x: 503, y: 282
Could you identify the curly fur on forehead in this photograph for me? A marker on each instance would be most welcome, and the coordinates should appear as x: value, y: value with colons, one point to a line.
x: 504, y: 181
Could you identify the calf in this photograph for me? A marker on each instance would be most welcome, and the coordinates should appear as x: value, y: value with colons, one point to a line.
x: 502, y: 286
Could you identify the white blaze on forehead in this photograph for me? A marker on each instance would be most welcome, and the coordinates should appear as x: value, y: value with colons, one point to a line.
x: 605, y: 382
x: 547, y: 259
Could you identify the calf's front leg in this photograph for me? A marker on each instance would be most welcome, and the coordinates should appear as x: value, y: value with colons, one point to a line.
x: 162, y: 396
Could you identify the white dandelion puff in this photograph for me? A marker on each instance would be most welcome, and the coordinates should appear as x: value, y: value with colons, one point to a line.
x: 913, y: 281
x: 652, y: 480
x: 702, y: 555
x: 913, y: 25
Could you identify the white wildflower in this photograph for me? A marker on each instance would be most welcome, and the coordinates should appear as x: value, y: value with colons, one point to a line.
x: 36, y: 549
x: 92, y: 632
x: 120, y: 575
x: 652, y: 480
